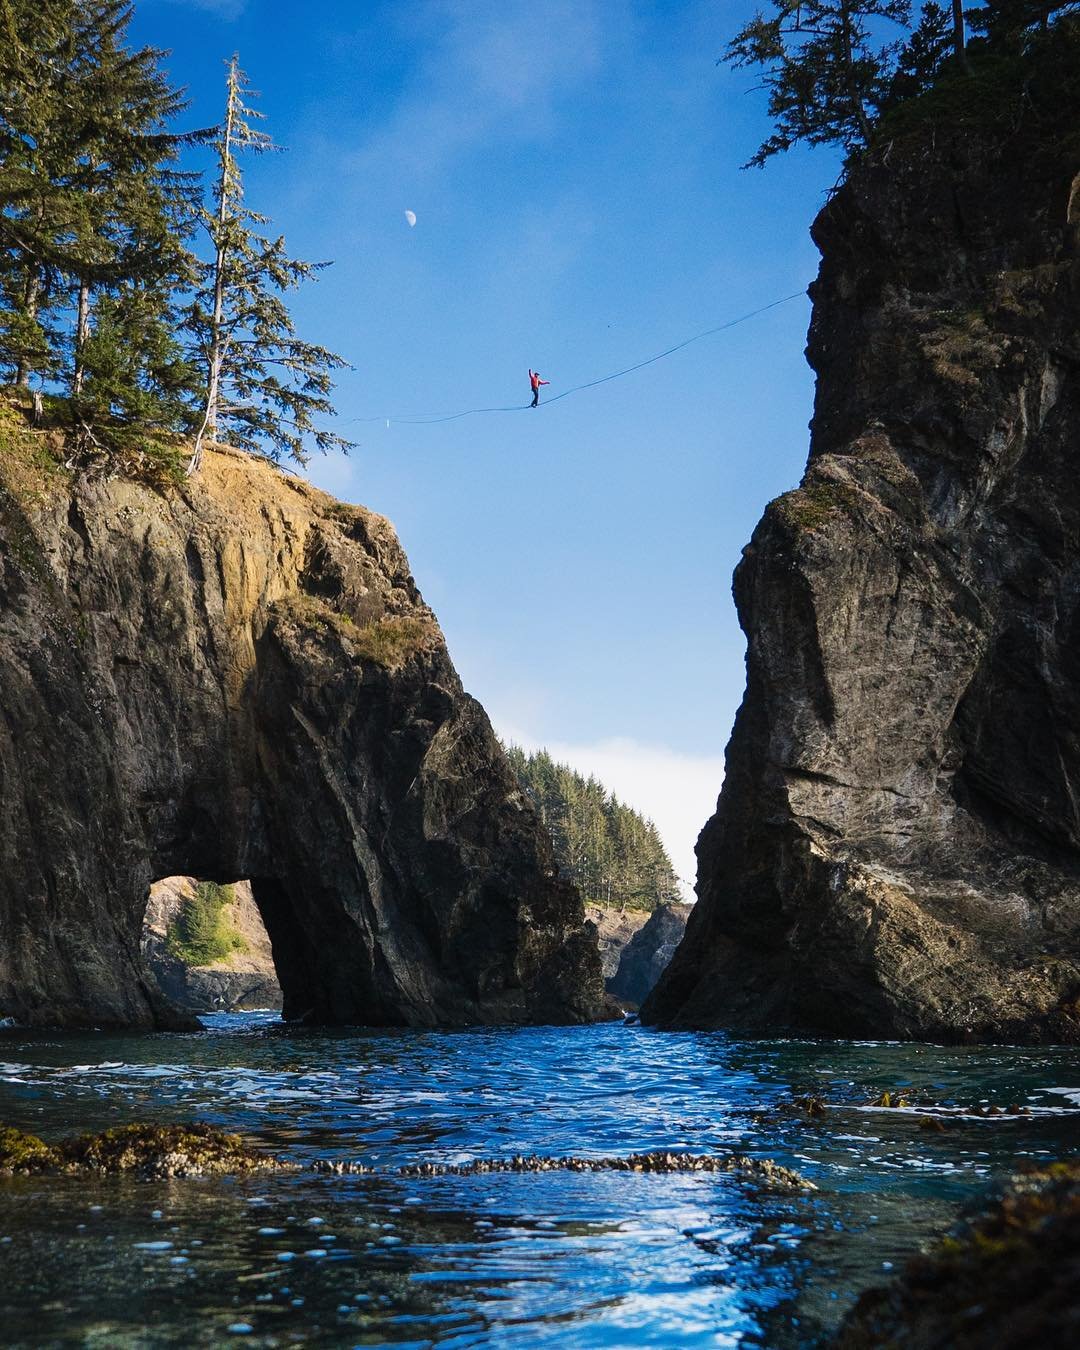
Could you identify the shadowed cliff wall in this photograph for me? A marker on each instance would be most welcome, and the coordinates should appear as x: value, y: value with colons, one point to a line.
x: 896, y: 849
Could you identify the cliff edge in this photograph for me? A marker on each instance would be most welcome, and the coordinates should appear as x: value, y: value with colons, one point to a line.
x: 896, y: 849
x: 237, y: 678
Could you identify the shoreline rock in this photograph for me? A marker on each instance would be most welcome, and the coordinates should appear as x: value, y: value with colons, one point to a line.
x: 238, y: 678
x: 1003, y: 1280
x: 150, y: 1152
x: 896, y: 848
x: 759, y: 1171
x: 648, y: 954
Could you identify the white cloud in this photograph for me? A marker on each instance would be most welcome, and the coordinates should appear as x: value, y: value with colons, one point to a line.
x: 494, y: 70
x: 676, y: 791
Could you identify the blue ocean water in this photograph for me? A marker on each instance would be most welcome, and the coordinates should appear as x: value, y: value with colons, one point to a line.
x: 562, y: 1259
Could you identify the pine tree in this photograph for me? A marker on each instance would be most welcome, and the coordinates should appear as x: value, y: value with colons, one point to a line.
x: 93, y: 211
x: 35, y: 206
x: 611, y: 853
x: 925, y: 53
x: 826, y: 75
x: 263, y: 384
x: 1008, y: 24
x: 129, y: 258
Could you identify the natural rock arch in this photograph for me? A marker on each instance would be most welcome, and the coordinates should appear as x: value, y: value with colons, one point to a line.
x: 239, y: 679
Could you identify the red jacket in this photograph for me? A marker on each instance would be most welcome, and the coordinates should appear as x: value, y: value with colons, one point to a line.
x: 535, y: 381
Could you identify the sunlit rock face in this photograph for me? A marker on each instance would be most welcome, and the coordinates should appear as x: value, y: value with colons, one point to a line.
x: 614, y: 929
x: 239, y: 678
x: 896, y: 850
x: 238, y: 980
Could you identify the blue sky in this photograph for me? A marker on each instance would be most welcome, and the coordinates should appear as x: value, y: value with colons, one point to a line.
x: 574, y: 169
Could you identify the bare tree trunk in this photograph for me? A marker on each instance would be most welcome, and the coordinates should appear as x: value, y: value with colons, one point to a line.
x: 30, y: 299
x: 857, y: 105
x: 959, y: 36
x: 216, y: 349
x: 82, y: 332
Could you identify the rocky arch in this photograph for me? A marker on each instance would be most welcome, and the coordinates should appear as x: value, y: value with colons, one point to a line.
x: 239, y: 678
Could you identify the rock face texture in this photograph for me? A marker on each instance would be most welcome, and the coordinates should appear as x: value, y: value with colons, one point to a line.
x: 648, y: 954
x: 614, y: 929
x: 243, y: 980
x: 896, y: 850
x: 238, y: 678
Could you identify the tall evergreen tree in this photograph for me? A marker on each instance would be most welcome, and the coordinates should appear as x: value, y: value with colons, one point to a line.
x: 130, y: 256
x: 1008, y: 24
x: 924, y: 54
x: 36, y: 50
x: 93, y: 209
x: 263, y: 385
x: 826, y: 74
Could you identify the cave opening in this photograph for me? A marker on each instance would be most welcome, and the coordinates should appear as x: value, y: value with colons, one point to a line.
x: 208, y: 943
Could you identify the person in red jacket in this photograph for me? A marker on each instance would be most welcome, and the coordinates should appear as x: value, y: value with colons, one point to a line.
x: 535, y: 382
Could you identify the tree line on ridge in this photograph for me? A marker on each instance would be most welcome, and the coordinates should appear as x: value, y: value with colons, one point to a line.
x: 613, y: 855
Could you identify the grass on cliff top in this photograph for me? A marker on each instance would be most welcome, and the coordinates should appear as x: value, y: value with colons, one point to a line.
x: 202, y: 932
x: 29, y: 467
x: 389, y: 641
x: 145, y: 454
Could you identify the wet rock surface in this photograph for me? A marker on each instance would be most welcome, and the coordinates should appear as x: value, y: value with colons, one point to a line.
x: 239, y: 678
x: 151, y: 1152
x: 1003, y: 1280
x: 648, y: 953
x: 762, y: 1171
x: 896, y: 849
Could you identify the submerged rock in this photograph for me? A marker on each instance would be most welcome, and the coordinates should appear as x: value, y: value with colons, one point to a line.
x: 896, y: 849
x: 147, y: 1151
x: 761, y: 1171
x: 648, y: 953
x: 237, y: 677
x: 1004, y: 1280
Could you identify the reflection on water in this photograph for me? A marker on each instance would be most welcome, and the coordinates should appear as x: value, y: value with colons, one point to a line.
x: 553, y: 1259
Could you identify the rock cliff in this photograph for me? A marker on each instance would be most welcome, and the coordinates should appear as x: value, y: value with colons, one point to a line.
x: 896, y: 849
x: 648, y: 954
x: 614, y: 929
x: 237, y: 678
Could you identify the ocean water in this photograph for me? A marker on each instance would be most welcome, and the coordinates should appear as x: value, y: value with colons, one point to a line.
x: 537, y: 1260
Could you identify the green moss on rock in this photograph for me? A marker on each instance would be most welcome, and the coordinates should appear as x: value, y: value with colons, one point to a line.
x: 143, y: 1150
x: 813, y: 506
x: 1006, y: 1278
x: 22, y: 1152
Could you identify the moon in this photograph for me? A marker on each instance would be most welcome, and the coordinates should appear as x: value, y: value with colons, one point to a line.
x: 410, y: 216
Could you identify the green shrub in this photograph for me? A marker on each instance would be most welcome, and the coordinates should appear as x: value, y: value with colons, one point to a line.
x: 202, y: 931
